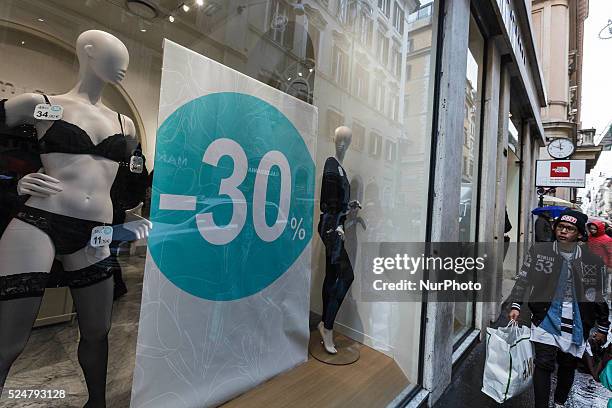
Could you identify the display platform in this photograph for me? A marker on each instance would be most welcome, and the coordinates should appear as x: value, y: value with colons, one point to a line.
x: 348, y: 349
x: 372, y: 381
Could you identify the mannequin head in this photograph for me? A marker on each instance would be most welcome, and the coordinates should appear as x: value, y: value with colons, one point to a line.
x: 102, y: 55
x: 342, y: 139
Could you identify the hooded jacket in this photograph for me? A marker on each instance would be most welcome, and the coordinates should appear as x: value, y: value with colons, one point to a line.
x: 540, y: 274
x: 600, y: 243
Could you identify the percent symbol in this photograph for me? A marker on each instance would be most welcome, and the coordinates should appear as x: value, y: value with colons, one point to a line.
x: 297, y: 228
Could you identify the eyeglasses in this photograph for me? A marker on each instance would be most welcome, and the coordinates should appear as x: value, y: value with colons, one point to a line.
x: 567, y: 228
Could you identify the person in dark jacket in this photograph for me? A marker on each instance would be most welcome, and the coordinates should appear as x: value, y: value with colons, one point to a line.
x: 543, y: 228
x: 564, y: 282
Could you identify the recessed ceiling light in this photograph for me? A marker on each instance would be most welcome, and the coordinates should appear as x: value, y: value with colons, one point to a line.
x: 185, y: 8
x: 171, y: 18
x: 288, y: 79
x: 41, y: 19
x: 299, y: 73
x: 310, y: 70
x: 23, y: 43
x: 200, y: 2
x: 143, y: 30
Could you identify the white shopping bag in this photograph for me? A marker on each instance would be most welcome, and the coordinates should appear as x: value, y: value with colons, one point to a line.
x: 509, y: 364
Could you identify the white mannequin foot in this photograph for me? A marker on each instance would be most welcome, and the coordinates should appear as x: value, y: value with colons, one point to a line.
x: 328, y: 339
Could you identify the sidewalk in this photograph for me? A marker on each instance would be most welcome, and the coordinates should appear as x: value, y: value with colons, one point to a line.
x: 464, y: 390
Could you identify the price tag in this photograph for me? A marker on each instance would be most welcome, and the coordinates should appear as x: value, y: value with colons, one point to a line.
x: 136, y: 164
x: 101, y: 236
x: 45, y: 111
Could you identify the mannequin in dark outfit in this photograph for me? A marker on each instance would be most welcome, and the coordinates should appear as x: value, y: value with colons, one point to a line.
x: 335, y: 205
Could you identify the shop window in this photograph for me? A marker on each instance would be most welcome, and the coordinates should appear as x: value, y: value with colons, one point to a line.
x: 340, y: 66
x: 282, y: 18
x: 315, y: 39
x: 385, y: 7
x: 398, y: 18
x: 379, y: 96
x: 375, y: 147
x: 394, y: 107
x: 362, y: 82
x: 366, y: 29
x: 396, y: 60
x: 359, y: 133
x: 468, y: 222
x: 390, y: 150
x: 334, y: 120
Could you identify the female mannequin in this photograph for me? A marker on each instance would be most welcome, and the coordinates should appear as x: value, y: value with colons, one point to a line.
x: 80, y: 162
x: 335, y: 205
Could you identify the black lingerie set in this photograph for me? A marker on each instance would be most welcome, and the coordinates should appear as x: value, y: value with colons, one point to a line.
x: 68, y: 234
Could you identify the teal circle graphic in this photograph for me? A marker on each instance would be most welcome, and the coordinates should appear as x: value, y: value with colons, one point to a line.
x: 247, y: 264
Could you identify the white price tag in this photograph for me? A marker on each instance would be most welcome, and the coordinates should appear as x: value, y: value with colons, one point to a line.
x: 101, y: 236
x: 136, y: 164
x: 44, y: 111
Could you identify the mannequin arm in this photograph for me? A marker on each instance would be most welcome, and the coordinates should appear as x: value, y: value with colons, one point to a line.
x: 20, y: 109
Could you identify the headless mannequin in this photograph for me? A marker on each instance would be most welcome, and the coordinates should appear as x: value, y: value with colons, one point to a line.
x: 335, y: 207
x: 73, y: 185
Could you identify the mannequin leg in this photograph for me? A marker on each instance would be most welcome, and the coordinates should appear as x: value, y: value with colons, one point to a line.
x: 94, y: 308
x: 26, y: 256
x: 338, y: 280
x: 17, y: 317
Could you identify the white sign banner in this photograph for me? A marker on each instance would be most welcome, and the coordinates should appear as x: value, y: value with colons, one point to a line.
x: 225, y: 302
x: 560, y: 173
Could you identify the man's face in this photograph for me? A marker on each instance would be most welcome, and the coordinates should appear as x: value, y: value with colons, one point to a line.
x: 593, y: 229
x: 566, y: 232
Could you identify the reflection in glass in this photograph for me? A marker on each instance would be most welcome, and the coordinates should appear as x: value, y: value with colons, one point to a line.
x: 469, y: 163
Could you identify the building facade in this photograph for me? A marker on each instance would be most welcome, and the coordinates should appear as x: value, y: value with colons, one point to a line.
x: 446, y: 101
x: 559, y: 35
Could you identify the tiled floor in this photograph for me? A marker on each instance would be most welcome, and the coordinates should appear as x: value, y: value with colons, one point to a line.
x: 50, y: 359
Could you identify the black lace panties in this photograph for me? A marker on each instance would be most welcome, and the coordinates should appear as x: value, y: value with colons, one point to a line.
x: 33, y: 284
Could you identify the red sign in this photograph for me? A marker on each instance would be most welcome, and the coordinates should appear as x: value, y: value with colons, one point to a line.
x: 560, y: 169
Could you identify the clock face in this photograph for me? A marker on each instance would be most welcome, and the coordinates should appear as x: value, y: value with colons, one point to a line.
x: 560, y: 148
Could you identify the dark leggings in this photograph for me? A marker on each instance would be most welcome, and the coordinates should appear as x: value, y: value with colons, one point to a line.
x: 93, y: 304
x: 545, y: 358
x: 338, y: 279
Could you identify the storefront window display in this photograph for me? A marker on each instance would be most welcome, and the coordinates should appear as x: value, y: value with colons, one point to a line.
x: 469, y: 167
x: 363, y: 72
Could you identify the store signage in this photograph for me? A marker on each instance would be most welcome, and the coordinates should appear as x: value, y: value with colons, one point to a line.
x: 560, y: 173
x: 226, y: 290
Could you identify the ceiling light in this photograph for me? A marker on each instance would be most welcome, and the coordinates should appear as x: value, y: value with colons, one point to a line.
x: 171, y: 18
x: 310, y: 70
x: 143, y: 30
x: 23, y: 43
x: 185, y: 8
x: 299, y: 73
x: 289, y: 79
x: 200, y: 2
x: 41, y: 19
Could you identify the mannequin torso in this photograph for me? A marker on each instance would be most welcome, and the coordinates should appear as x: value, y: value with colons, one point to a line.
x: 85, y: 179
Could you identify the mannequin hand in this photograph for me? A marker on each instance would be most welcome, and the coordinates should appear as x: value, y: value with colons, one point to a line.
x: 139, y: 225
x: 340, y: 231
x: 38, y: 185
x: 354, y: 205
x: 134, y: 228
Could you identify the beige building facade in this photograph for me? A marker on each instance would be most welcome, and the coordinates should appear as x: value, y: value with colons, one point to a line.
x: 559, y: 36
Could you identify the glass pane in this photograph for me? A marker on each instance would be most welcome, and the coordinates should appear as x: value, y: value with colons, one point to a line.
x: 469, y: 164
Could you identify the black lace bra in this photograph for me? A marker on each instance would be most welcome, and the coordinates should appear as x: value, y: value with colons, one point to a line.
x: 65, y: 137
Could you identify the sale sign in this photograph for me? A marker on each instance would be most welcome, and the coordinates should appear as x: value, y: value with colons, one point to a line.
x: 560, y: 173
x: 227, y: 280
